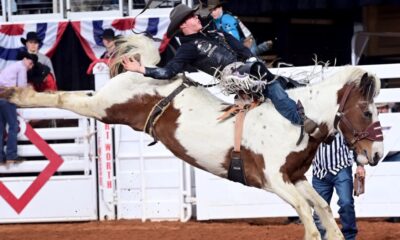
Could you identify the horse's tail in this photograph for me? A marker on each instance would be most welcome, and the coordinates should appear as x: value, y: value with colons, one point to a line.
x: 137, y: 46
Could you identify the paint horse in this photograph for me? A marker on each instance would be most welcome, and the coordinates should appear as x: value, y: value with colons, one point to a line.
x: 189, y: 129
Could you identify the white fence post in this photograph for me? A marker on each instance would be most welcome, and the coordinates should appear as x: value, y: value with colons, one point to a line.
x: 105, y: 154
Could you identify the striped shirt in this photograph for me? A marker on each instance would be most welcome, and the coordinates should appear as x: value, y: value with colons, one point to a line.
x: 332, y: 157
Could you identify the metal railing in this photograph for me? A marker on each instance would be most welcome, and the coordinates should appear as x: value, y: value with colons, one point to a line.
x: 36, y: 10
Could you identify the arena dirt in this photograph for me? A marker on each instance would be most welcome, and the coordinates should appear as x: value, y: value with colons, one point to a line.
x: 268, y: 229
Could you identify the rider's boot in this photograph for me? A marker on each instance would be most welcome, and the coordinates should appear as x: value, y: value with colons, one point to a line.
x: 310, y: 127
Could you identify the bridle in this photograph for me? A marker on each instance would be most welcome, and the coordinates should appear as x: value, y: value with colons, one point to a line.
x: 373, y: 132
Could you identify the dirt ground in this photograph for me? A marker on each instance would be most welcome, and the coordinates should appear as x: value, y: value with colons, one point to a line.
x: 269, y: 229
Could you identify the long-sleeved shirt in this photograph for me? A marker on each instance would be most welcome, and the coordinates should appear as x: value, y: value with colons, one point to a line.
x: 332, y: 157
x: 14, y: 75
x: 189, y: 52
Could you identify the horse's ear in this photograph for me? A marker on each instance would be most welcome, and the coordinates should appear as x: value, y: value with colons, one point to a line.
x: 367, y: 87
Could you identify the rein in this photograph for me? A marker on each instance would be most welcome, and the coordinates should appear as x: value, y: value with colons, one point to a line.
x: 373, y: 132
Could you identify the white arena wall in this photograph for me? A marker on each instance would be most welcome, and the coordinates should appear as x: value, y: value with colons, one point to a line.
x: 123, y: 178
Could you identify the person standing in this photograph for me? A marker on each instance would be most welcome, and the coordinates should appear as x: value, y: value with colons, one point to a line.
x: 332, y: 169
x: 32, y: 44
x: 108, y: 38
x: 14, y: 75
x: 39, y: 76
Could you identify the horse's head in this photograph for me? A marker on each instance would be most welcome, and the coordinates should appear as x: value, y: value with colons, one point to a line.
x: 357, y: 118
x: 138, y: 46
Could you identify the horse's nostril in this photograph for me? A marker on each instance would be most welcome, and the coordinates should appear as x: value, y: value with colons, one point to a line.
x: 377, y: 157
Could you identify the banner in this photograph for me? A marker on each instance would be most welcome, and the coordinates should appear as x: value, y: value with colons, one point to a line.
x: 10, y: 39
x: 90, y: 32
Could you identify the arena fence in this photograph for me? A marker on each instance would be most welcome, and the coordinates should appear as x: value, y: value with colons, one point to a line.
x: 57, y: 181
x: 123, y: 178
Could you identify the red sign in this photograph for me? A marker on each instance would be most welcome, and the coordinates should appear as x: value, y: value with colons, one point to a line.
x: 55, y: 161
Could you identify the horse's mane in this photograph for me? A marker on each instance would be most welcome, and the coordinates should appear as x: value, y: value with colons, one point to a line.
x: 138, y: 46
x: 348, y: 75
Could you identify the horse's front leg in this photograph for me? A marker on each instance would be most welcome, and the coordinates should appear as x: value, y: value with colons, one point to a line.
x: 322, y: 209
x: 288, y: 192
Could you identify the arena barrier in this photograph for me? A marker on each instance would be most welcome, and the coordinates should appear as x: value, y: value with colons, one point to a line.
x: 57, y: 181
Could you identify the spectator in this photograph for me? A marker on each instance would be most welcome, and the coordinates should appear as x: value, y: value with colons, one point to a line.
x: 332, y: 169
x: 32, y: 44
x: 41, y: 79
x: 14, y: 75
x: 383, y: 107
x: 224, y: 21
x: 108, y: 42
x: 48, y: 82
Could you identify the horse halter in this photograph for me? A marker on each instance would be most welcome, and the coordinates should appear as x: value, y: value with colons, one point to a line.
x: 373, y: 132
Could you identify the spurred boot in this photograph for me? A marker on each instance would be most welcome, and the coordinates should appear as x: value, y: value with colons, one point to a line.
x: 309, y: 125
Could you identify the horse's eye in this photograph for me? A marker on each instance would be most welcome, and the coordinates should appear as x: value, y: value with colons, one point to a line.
x: 368, y: 114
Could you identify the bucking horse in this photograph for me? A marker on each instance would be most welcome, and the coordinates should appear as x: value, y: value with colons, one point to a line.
x: 188, y: 127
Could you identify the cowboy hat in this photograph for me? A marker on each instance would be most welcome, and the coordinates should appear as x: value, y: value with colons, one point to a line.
x: 177, y: 16
x: 31, y: 36
x: 108, y: 34
x: 212, y: 4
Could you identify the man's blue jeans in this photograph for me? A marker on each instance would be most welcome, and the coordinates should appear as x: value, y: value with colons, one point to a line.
x: 343, y: 184
x: 283, y: 104
x: 8, y: 115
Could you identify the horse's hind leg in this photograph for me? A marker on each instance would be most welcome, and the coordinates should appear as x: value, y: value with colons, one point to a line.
x: 78, y: 102
x: 322, y: 209
x: 288, y: 192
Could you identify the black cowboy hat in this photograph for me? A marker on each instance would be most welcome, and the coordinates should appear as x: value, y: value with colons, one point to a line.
x: 212, y: 4
x: 177, y: 16
x: 31, y: 56
x: 31, y: 36
x: 108, y: 34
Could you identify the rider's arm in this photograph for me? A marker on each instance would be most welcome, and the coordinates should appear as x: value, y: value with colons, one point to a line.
x: 185, y: 54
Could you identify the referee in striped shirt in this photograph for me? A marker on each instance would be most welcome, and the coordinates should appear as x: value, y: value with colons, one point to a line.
x: 332, y: 169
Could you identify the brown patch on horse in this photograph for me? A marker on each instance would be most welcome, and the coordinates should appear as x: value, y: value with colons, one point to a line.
x: 134, y: 113
x: 254, y: 166
x: 298, y: 163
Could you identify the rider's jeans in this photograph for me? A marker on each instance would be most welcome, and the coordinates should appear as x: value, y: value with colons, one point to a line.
x: 283, y: 104
x: 343, y: 184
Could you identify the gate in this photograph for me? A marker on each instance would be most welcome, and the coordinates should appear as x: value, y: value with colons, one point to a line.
x: 57, y: 181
